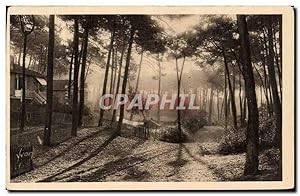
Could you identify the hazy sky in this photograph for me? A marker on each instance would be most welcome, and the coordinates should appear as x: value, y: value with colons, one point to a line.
x: 171, y: 26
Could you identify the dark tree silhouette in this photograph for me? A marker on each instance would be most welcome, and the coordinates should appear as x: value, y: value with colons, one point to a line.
x: 251, y: 165
x: 122, y: 108
x: 47, y: 132
x: 25, y: 22
x: 107, y: 70
x: 87, y: 25
x: 75, y: 80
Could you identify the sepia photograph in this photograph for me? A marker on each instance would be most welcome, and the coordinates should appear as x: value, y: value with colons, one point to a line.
x: 101, y: 98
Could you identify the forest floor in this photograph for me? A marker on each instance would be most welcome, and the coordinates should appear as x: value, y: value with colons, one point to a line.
x: 95, y: 155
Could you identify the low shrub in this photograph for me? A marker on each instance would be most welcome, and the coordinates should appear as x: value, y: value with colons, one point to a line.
x: 193, y: 120
x: 267, y: 131
x: 171, y: 134
x: 234, y: 140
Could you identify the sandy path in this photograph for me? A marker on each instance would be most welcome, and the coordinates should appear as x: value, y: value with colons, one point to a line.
x: 125, y: 159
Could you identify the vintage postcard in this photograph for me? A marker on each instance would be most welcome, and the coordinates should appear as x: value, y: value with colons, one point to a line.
x: 150, y: 98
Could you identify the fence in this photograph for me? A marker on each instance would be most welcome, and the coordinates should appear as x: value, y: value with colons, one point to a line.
x: 38, y: 118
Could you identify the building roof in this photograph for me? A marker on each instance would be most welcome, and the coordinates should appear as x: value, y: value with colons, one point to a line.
x: 60, y: 85
x: 18, y: 70
x: 42, y: 81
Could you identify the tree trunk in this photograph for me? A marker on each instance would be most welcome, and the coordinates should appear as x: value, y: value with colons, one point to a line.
x: 112, y: 72
x: 228, y: 106
x: 210, y: 105
x: 47, y: 131
x: 278, y: 65
x: 115, y: 72
x: 241, y: 102
x: 70, y: 76
x: 23, y: 114
x: 272, y: 78
x: 179, y: 76
x: 251, y: 165
x: 106, y: 75
x: 204, y: 101
x: 231, y: 91
x: 113, y: 119
x: 178, y: 111
x: 262, y: 86
x: 137, y: 80
x: 280, y: 48
x: 200, y: 99
x: 82, y: 75
x: 244, y: 110
x: 81, y: 51
x: 225, y: 101
x: 30, y: 60
x: 75, y: 79
x: 158, y: 90
x: 267, y: 81
x: 25, y: 33
x: 273, y: 83
x: 267, y: 88
x: 87, y: 70
x: 218, y: 106
x: 126, y: 72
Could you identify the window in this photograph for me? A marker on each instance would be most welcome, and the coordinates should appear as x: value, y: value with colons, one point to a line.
x: 18, y: 82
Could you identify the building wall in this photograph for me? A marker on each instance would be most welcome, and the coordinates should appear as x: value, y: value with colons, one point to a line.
x: 59, y: 96
x: 12, y: 84
x: 31, y: 84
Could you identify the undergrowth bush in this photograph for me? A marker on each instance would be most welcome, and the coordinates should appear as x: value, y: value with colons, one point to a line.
x: 193, y: 120
x: 171, y: 134
x: 234, y: 140
x: 267, y: 129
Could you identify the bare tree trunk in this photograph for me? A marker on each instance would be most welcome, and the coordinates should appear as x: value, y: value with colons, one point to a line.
x: 70, y: 76
x: 273, y: 83
x: 251, y: 165
x: 47, y: 131
x: 204, y: 101
x: 179, y: 76
x: 30, y: 60
x: 262, y: 86
x: 113, y: 119
x: 245, y: 109
x: 112, y: 72
x: 25, y: 35
x: 218, y: 105
x: 159, y: 86
x: 241, y: 102
x: 225, y: 100
x: 278, y: 66
x: 210, y: 105
x: 23, y: 114
x: 231, y: 91
x: 137, y: 80
x: 87, y: 70
x: 81, y: 51
x: 126, y: 73
x: 106, y: 75
x: 82, y: 75
x: 75, y: 79
x: 115, y: 72
x: 267, y: 82
x: 280, y: 48
x: 267, y: 89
